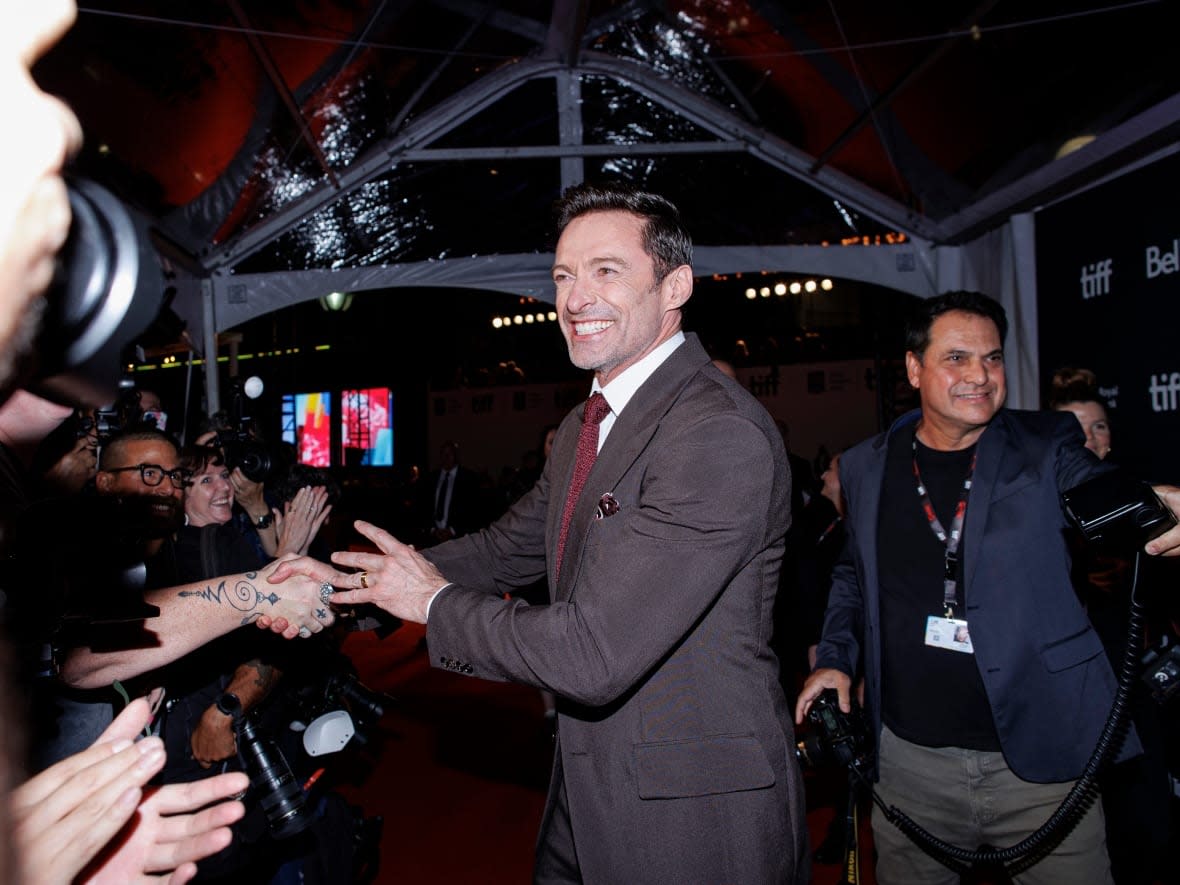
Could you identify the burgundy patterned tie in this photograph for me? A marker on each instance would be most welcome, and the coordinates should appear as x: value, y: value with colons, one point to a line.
x: 596, y: 410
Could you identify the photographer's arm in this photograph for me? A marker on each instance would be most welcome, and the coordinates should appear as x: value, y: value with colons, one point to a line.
x: 250, y: 495
x: 213, y: 738
x: 193, y: 614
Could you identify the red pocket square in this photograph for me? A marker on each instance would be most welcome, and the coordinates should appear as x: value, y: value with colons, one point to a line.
x: 607, y: 506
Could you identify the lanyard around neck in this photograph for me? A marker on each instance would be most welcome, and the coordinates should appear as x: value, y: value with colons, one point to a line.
x: 950, y: 540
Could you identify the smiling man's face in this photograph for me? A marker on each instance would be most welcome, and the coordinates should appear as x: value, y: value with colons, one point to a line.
x: 960, y: 379
x: 160, y: 505
x: 612, y: 310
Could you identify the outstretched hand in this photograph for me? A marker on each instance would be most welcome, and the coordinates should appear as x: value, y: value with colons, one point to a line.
x: 1167, y: 544
x: 301, y: 519
x: 398, y: 579
x: 298, y: 610
x: 90, y: 813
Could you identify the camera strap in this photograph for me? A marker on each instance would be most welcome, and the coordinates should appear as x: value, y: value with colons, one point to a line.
x: 950, y: 540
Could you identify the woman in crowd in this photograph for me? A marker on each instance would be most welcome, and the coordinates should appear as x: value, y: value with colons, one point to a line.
x: 1076, y: 390
x: 198, y: 734
x: 1136, y: 794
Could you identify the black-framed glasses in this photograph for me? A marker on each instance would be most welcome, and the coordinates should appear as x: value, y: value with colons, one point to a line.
x: 153, y: 474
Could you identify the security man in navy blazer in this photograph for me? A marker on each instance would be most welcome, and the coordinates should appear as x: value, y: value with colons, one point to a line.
x: 675, y: 758
x: 986, y: 685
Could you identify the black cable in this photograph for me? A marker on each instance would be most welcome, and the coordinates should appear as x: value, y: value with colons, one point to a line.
x: 1037, y: 844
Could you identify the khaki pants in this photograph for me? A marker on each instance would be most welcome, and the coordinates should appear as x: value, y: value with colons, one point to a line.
x: 971, y: 798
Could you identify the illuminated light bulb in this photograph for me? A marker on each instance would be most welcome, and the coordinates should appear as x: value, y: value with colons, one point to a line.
x: 796, y: 288
x: 764, y: 291
x: 809, y: 286
x: 553, y: 316
x: 751, y: 294
x: 529, y: 318
x: 497, y: 323
x: 825, y: 284
x: 780, y: 288
x: 336, y: 301
x: 518, y: 320
x: 540, y: 318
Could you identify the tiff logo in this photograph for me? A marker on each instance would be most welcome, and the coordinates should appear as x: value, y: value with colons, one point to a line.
x: 1096, y: 278
x: 1165, y: 391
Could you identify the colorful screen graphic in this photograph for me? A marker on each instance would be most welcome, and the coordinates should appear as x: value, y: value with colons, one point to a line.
x: 307, y: 426
x: 366, y: 426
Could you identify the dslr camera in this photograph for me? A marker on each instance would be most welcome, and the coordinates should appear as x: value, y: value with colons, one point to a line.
x: 1161, y: 672
x: 833, y: 736
x: 104, y: 422
x: 280, y: 752
x: 108, y: 290
x: 1117, y: 512
x: 238, y: 444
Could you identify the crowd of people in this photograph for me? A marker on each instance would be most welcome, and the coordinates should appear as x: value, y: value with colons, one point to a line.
x: 663, y: 571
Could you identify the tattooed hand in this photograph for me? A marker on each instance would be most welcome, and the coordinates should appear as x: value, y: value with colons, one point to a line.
x: 293, y: 608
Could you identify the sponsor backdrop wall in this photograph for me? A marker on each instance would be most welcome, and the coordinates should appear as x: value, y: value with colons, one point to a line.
x: 1108, y: 299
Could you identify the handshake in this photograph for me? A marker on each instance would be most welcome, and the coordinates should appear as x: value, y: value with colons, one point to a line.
x: 398, y: 580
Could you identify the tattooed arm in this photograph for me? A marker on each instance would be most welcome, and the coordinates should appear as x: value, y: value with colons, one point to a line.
x: 192, y: 615
x: 213, y: 738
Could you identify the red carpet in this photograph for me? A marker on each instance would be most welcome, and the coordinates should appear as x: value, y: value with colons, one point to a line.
x: 459, y: 770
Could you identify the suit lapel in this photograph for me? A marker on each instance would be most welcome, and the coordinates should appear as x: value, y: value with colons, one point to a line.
x: 999, y: 467
x: 630, y: 436
x: 868, y: 515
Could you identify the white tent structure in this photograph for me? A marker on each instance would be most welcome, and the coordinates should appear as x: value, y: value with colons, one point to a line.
x: 624, y: 88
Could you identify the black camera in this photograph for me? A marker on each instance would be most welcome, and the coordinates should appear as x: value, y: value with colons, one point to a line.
x: 1117, y: 512
x: 339, y: 691
x: 243, y: 451
x: 279, y: 794
x: 834, y: 736
x: 107, y: 291
x: 1161, y: 672
x: 237, y: 442
x: 103, y: 423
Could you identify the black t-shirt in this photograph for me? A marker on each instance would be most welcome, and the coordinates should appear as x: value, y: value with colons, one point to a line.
x: 233, y: 553
x: 930, y: 696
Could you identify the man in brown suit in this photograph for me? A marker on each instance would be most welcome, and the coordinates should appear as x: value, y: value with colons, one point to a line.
x: 675, y: 750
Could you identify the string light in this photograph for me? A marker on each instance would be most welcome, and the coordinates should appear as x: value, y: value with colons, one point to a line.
x: 526, y: 319
x: 169, y: 361
x: 794, y: 287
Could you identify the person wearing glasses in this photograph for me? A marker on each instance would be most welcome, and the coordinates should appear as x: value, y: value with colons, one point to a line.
x: 140, y: 470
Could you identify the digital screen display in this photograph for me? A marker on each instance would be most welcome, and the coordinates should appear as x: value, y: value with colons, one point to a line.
x: 307, y: 426
x: 366, y: 426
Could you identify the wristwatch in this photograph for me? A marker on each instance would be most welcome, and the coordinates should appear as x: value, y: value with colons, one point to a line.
x: 229, y: 704
x: 264, y: 521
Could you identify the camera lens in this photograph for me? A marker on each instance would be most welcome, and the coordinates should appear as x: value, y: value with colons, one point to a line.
x: 107, y: 292
x: 280, y: 795
x: 255, y: 463
x: 362, y: 700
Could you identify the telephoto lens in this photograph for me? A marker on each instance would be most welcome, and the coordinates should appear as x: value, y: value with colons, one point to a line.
x: 271, y: 779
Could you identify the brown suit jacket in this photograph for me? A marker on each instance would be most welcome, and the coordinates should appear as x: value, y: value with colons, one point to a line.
x: 674, y: 737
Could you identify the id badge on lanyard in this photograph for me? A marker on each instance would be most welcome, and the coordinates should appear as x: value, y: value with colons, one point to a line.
x: 947, y: 631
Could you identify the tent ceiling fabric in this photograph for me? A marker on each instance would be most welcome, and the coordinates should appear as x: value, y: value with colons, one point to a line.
x: 281, y: 136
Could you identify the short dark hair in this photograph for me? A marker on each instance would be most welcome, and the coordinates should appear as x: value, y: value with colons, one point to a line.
x: 195, y: 459
x: 1071, y: 385
x: 665, y: 238
x: 917, y: 332
x: 141, y: 432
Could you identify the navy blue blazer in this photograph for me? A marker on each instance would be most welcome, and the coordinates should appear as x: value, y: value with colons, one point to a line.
x: 1047, y: 679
